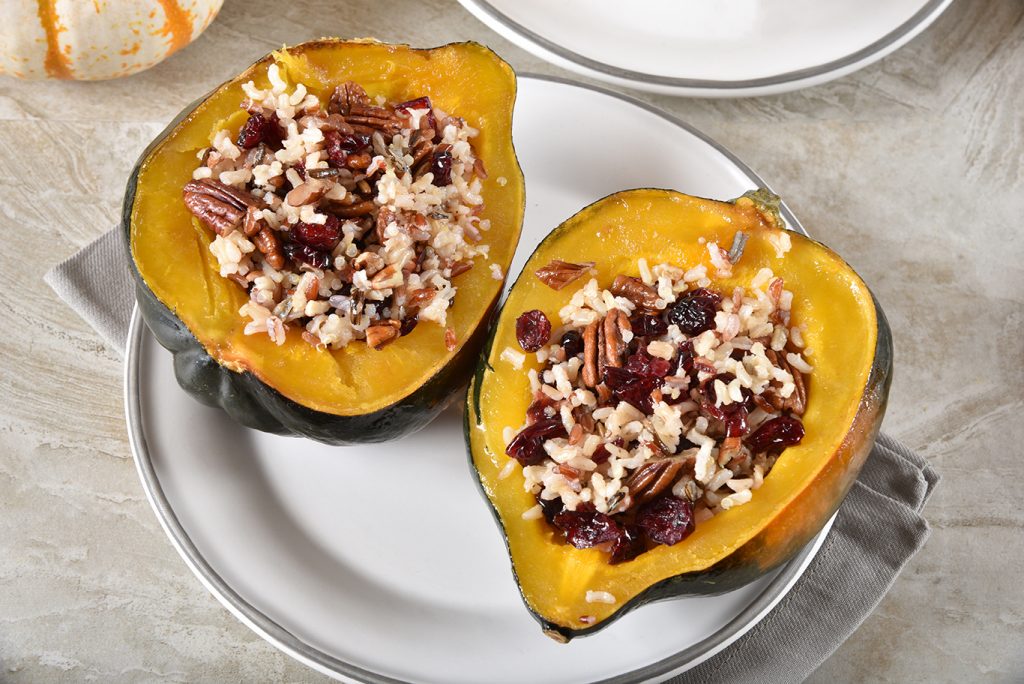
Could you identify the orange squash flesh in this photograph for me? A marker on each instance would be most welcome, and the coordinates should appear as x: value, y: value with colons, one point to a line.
x: 846, y: 396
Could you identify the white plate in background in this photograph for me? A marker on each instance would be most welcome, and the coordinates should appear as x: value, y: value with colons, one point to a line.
x: 710, y: 48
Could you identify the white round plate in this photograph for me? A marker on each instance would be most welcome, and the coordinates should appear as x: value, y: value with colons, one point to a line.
x: 382, y: 563
x: 709, y: 48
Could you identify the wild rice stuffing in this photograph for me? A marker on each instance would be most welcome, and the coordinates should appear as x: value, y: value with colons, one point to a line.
x: 660, y: 403
x: 348, y: 220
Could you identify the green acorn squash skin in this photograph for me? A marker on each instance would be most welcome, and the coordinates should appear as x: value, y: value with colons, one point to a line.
x: 784, y: 535
x: 244, y: 396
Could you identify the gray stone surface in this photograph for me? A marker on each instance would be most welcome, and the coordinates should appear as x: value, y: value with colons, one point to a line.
x: 911, y: 168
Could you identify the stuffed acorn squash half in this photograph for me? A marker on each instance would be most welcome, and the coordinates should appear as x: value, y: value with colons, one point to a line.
x: 676, y: 397
x: 321, y: 241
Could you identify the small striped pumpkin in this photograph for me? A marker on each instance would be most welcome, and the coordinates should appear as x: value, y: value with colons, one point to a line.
x: 90, y: 40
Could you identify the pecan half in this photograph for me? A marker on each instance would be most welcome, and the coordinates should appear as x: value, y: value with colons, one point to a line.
x: 306, y: 193
x: 615, y: 323
x: 219, y: 206
x: 420, y: 297
x: 558, y: 273
x: 591, y: 376
x: 270, y: 247
x: 252, y: 225
x: 336, y: 122
x: 385, y: 217
x: 345, y: 96
x: 652, y: 478
x: 420, y: 151
x: 636, y: 291
x: 381, y: 334
x: 355, y: 210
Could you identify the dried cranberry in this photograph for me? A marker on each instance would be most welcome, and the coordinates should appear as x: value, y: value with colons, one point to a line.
x: 733, y: 415
x: 735, y: 420
x: 584, y: 529
x: 694, y: 312
x: 647, y: 326
x: 419, y: 103
x: 628, y: 546
x: 666, y: 520
x: 572, y: 343
x: 305, y: 254
x: 551, y: 508
x: 643, y: 363
x: 600, y: 455
x: 528, y: 446
x: 441, y: 167
x: 340, y: 145
x: 324, y: 236
x: 538, y: 410
x: 259, y: 129
x: 685, y: 367
x: 631, y: 387
x: 533, y: 330
x: 776, y: 434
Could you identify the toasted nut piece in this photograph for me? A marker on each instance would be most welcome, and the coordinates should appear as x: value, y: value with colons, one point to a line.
x: 558, y: 273
x: 270, y: 246
x: 346, y: 96
x: 388, y: 277
x: 356, y: 210
x: 615, y: 322
x: 379, y: 335
x: 636, y: 291
x: 306, y: 193
x: 652, y: 478
x: 420, y: 297
x: 252, y: 225
x: 219, y: 206
x: 450, y: 342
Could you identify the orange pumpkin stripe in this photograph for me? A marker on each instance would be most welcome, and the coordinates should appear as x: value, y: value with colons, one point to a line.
x: 177, y: 24
x: 54, y: 62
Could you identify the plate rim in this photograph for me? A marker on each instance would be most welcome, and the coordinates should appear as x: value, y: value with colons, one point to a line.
x: 562, y: 56
x: 285, y: 641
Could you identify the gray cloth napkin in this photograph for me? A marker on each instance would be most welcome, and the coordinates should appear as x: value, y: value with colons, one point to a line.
x: 879, y: 527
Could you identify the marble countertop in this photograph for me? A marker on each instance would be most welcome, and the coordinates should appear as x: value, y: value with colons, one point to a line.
x: 912, y: 169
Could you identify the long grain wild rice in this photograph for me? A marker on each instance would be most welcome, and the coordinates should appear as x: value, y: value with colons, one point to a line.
x: 659, y: 404
x: 345, y: 220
